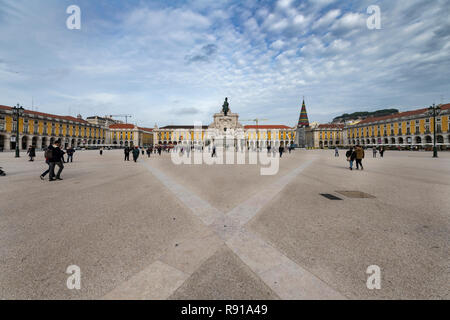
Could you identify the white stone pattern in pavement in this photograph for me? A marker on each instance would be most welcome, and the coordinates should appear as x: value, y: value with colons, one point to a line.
x: 286, y: 278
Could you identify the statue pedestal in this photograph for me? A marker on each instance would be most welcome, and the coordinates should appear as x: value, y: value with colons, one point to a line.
x: 225, y: 123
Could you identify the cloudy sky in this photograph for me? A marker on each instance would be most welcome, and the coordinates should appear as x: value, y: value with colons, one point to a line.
x: 174, y: 62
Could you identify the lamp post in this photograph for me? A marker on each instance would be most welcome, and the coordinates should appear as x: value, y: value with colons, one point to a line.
x: 18, y: 111
x: 434, y: 111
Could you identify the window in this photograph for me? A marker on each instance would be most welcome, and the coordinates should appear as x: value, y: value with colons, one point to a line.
x: 25, y: 126
x: 2, y: 123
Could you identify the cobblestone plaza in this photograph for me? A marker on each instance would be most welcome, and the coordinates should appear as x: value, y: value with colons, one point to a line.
x: 155, y: 230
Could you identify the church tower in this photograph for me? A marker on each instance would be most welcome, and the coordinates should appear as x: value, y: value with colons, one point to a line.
x: 303, y: 124
x: 303, y: 120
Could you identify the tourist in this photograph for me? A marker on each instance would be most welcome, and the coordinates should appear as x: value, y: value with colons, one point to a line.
x: 70, y: 152
x: 143, y: 151
x: 56, y: 159
x: 336, y: 152
x: 359, y: 157
x: 281, y: 150
x: 101, y: 151
x: 159, y: 150
x: 31, y: 153
x: 127, y: 153
x: 135, y: 154
x: 47, y: 156
x: 213, y: 152
x: 381, y: 152
x: 149, y: 152
x: 351, y: 156
x: 374, y: 150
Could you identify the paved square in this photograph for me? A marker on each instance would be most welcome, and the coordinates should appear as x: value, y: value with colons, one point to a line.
x: 154, y: 230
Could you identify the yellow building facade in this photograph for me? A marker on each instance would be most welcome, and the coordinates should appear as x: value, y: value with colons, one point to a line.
x: 41, y: 129
x: 130, y: 135
x: 411, y: 129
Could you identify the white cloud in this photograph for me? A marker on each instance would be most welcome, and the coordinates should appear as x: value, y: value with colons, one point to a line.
x: 143, y: 58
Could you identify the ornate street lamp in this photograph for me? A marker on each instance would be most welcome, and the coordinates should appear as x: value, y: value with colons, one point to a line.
x: 18, y: 112
x: 434, y: 111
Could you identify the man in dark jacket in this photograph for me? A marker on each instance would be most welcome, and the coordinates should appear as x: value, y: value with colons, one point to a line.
x: 56, y: 160
x: 127, y: 154
x: 281, y: 150
x: 70, y: 152
x: 31, y: 153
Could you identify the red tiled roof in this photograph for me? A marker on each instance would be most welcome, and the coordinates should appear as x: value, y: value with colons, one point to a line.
x: 331, y: 126
x: 122, y: 126
x: 68, y: 118
x: 401, y: 114
x: 145, y: 129
x: 268, y: 126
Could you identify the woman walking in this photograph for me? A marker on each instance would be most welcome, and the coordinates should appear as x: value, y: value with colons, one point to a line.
x: 351, y: 156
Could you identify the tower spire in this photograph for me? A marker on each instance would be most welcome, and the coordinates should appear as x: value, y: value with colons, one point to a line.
x: 303, y: 120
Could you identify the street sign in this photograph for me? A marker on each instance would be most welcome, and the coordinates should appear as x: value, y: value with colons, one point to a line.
x: 13, y: 139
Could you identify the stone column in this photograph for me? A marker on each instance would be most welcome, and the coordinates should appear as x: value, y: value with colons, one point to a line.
x: 7, y: 146
x: 39, y: 143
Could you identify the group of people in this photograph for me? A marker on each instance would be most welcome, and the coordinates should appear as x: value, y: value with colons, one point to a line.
x: 54, y: 157
x: 135, y: 152
x: 374, y: 151
x: 355, y: 154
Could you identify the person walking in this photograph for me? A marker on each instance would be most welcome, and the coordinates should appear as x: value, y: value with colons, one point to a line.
x: 336, y: 152
x: 374, y: 150
x: 135, y: 154
x: 56, y: 159
x: 70, y: 153
x: 143, y: 151
x: 31, y: 153
x: 47, y: 156
x: 101, y: 151
x: 127, y: 154
x: 381, y: 152
x: 149, y: 152
x: 280, y: 150
x: 359, y: 157
x: 351, y: 156
x: 213, y: 152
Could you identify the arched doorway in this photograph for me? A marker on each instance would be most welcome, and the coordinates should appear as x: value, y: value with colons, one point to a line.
x: 440, y: 139
x: 24, y: 143
x: 34, y: 142
x: 400, y: 140
x: 428, y: 139
x: 418, y: 140
x: 2, y: 142
x: 44, y: 143
x: 392, y: 140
